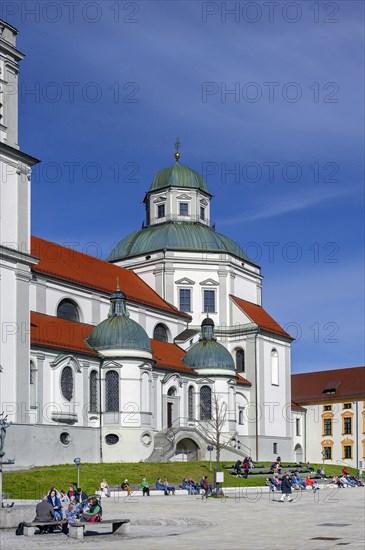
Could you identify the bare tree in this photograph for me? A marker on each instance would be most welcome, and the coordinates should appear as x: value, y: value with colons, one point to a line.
x: 212, y: 422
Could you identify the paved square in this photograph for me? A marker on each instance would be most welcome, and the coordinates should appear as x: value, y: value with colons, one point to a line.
x: 250, y: 520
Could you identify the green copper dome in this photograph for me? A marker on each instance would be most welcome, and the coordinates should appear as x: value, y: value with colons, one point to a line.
x: 175, y: 236
x: 208, y: 353
x: 178, y: 176
x: 118, y: 331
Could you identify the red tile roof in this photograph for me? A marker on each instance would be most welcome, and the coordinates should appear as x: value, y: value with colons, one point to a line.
x: 169, y: 356
x: 295, y: 406
x: 309, y: 386
x: 69, y: 265
x: 60, y: 334
x: 259, y: 316
x: 52, y: 332
x: 241, y: 381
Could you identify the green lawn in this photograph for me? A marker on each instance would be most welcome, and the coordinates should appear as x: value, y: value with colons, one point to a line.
x: 33, y: 483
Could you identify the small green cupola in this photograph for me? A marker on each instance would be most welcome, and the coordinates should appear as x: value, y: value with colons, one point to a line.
x: 208, y: 355
x: 119, y: 335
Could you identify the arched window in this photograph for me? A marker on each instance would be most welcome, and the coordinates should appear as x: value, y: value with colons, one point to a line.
x: 240, y: 360
x: 112, y: 391
x: 191, y: 404
x: 171, y: 391
x: 93, y: 391
x: 67, y: 383
x: 205, y: 403
x: 274, y: 367
x: 240, y: 416
x: 160, y: 333
x: 67, y: 309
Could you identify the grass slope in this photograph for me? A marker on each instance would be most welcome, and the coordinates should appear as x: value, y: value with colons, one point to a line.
x: 33, y: 483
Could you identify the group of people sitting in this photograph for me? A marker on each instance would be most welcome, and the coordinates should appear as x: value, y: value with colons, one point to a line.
x: 242, y: 468
x: 297, y: 483
x: 196, y: 488
x: 187, y: 483
x: 346, y: 480
x: 76, y: 504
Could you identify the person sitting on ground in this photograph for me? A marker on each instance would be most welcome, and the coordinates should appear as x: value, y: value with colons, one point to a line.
x: 64, y: 499
x: 71, y: 493
x: 71, y: 514
x: 56, y: 503
x: 160, y: 486
x: 237, y: 467
x: 308, y: 483
x: 315, y: 486
x: 126, y: 487
x: 104, y: 487
x: 187, y: 485
x: 80, y: 496
x: 194, y: 486
x: 344, y: 471
x: 251, y: 464
x: 169, y: 488
x: 359, y: 482
x: 347, y: 481
x: 44, y: 512
x: 337, y: 481
x: 321, y: 473
x: 145, y: 486
x: 276, y: 481
x: 93, y: 512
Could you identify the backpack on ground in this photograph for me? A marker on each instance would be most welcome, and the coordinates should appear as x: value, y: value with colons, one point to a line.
x: 20, y: 529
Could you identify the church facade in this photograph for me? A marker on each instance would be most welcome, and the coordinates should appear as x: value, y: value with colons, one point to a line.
x: 127, y: 359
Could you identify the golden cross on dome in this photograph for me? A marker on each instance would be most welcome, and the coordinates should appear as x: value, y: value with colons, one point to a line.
x: 177, y: 147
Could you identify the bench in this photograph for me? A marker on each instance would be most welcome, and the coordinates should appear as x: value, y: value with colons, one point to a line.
x: 119, y: 527
x: 30, y: 527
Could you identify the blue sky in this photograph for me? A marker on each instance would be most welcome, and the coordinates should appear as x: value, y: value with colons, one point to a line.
x: 114, y: 83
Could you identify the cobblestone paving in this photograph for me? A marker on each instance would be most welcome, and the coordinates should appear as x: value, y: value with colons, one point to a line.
x: 248, y: 520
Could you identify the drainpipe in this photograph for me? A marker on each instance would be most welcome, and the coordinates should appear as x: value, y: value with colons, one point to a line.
x: 256, y: 400
x: 163, y: 276
x: 100, y: 416
x: 357, y: 436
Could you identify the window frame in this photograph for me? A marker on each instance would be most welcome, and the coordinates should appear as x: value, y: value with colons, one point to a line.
x: 202, y: 211
x: 189, y: 289
x: 237, y: 350
x: 166, y: 334
x: 275, y: 378
x: 94, y: 400
x: 185, y: 204
x: 107, y: 398
x: 347, y: 455
x: 74, y: 318
x: 161, y: 207
x: 347, y: 425
x: 327, y: 452
x: 204, y: 309
x: 205, y: 408
x: 327, y: 426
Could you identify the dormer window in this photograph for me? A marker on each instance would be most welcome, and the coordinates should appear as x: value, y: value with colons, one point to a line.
x: 184, y: 209
x: 161, y: 211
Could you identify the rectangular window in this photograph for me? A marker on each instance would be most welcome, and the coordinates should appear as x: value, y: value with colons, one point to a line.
x: 185, y: 299
x: 347, y: 405
x: 209, y: 301
x: 327, y: 407
x: 327, y: 426
x: 347, y: 426
x: 275, y: 448
x: 297, y: 426
x: 327, y: 453
x: 347, y: 451
x: 161, y: 211
x: 184, y: 209
x: 202, y: 213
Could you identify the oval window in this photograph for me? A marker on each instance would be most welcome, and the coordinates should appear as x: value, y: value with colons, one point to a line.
x: 111, y: 439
